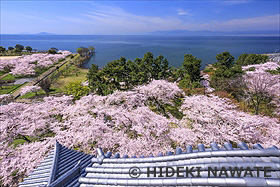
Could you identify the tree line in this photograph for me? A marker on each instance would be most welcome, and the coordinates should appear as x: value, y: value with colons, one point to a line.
x: 85, y: 51
x: 124, y: 74
x: 19, y: 49
x: 250, y: 90
x: 226, y: 74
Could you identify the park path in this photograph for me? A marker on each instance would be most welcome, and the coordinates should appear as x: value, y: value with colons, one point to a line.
x: 2, y: 76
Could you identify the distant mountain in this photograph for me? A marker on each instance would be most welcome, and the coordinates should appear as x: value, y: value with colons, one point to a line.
x: 40, y: 33
x: 217, y: 33
x: 25, y: 33
x: 44, y: 33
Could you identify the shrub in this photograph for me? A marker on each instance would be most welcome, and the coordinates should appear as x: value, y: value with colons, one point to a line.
x: 251, y: 69
x: 274, y: 72
x: 247, y: 59
x: 77, y: 90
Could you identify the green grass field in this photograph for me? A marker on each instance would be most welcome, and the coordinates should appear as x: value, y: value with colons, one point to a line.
x: 9, y: 77
x: 8, y: 89
x: 32, y: 94
x: 2, y: 73
x: 72, y: 74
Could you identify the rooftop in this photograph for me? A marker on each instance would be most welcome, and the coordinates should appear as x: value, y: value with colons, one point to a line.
x: 66, y: 167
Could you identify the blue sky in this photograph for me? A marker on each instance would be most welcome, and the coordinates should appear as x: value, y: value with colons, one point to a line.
x: 136, y: 17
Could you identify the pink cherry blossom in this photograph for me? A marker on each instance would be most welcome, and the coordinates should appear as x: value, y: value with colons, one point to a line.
x: 26, y: 64
x: 123, y: 122
x: 6, y: 98
x: 28, y: 89
x: 260, y: 80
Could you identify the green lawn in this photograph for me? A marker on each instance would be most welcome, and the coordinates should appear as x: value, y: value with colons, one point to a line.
x: 9, y: 77
x: 2, y: 73
x: 18, y: 142
x: 21, y: 140
x: 8, y: 89
x: 32, y: 94
x: 73, y: 74
x: 77, y: 75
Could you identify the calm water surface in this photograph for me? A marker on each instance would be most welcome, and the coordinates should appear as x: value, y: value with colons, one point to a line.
x: 112, y: 47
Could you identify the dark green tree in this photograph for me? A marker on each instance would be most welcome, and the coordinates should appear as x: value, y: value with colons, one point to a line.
x: 247, y: 59
x: 225, y: 59
x: 185, y: 82
x: 10, y: 48
x: 146, y: 67
x: 156, y: 67
x: 2, y: 49
x: 133, y: 74
x: 140, y: 74
x: 241, y: 59
x: 85, y: 51
x: 114, y: 72
x: 98, y: 83
x: 165, y: 69
x: 176, y: 74
x: 53, y: 48
x: 79, y: 51
x: 123, y: 75
x: 19, y: 47
x: 221, y: 79
x: 192, y: 65
x: 17, y: 50
x: 91, y: 49
x: 51, y: 51
x: 28, y: 48
x: 126, y: 70
x: 160, y: 68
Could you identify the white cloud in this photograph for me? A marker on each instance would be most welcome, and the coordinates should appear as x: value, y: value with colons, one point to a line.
x: 184, y: 12
x: 235, y: 2
x: 114, y: 20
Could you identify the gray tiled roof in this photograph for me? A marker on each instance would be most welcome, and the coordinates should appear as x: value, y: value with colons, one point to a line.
x: 108, y: 170
x: 114, y: 171
x: 62, y: 167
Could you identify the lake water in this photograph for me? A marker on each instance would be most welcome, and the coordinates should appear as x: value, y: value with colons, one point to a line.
x: 112, y: 47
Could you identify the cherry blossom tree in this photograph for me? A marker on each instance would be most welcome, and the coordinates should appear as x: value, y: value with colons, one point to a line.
x: 122, y: 122
x: 5, y: 98
x: 214, y: 119
x: 26, y: 64
x: 261, y: 85
x: 28, y: 89
x: 205, y: 82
